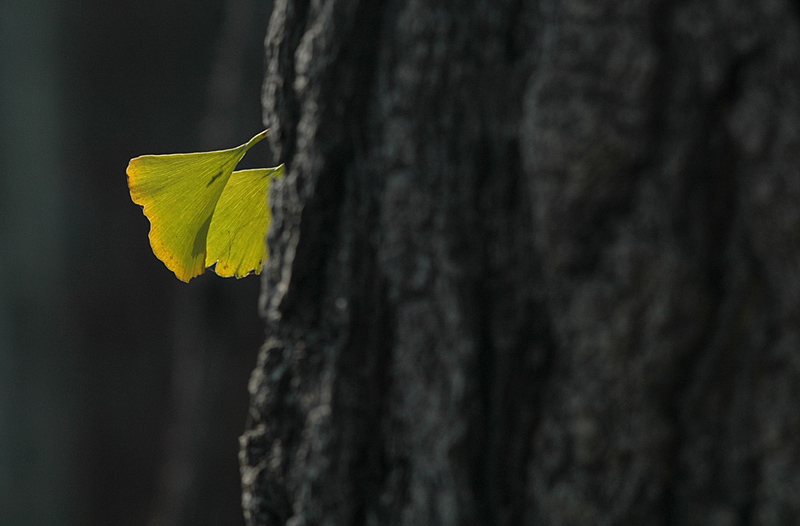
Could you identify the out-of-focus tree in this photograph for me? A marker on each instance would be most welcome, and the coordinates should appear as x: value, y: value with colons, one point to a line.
x: 36, y: 420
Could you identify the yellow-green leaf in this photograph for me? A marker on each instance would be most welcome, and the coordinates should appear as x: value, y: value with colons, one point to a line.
x: 239, y: 225
x: 180, y: 194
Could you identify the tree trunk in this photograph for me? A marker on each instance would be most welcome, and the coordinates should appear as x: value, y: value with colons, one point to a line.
x: 532, y: 263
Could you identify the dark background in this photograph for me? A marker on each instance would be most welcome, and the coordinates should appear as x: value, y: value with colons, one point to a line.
x: 122, y: 389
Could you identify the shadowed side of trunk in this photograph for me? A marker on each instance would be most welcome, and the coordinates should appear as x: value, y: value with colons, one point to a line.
x: 530, y: 264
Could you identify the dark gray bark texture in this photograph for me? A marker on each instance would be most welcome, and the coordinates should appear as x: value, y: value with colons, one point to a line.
x: 531, y: 263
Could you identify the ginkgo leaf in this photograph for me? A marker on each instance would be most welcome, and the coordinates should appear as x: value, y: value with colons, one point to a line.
x: 239, y: 224
x: 180, y: 194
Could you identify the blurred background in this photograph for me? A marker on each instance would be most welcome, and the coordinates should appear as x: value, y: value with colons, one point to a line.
x: 122, y: 390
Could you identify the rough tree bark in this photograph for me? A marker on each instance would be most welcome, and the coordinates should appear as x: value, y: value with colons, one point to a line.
x: 532, y: 263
